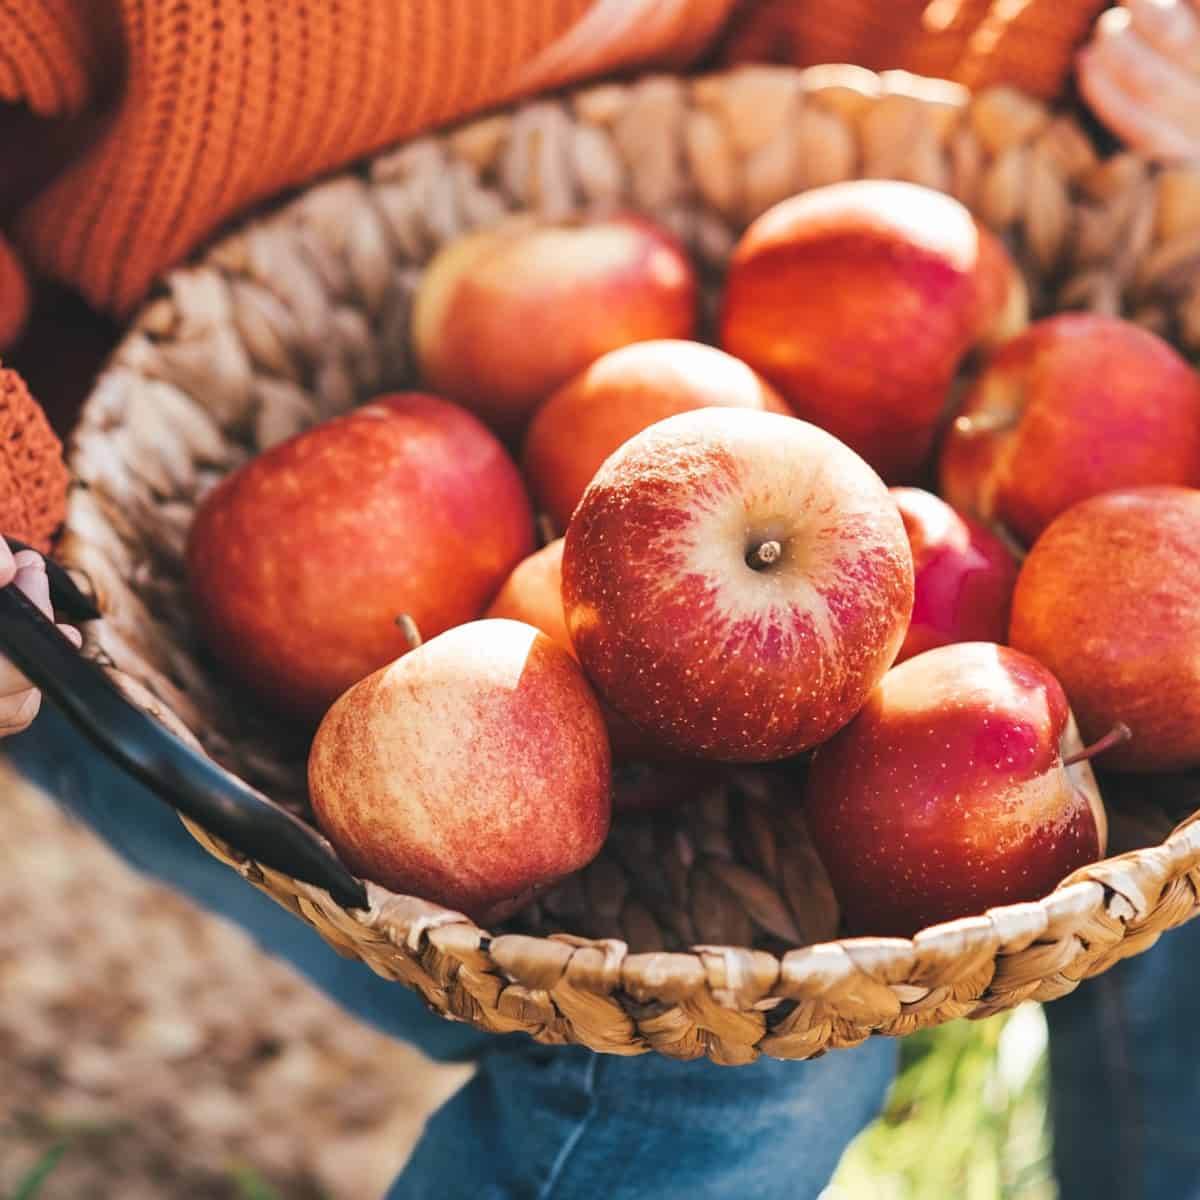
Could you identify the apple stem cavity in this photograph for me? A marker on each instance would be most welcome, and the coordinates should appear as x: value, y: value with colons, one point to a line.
x: 1119, y: 733
x: 412, y: 635
x: 764, y: 554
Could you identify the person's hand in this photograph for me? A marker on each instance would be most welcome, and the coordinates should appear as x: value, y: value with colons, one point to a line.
x: 1140, y: 74
x: 19, y: 703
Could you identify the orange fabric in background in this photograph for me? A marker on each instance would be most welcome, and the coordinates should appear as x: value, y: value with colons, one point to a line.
x: 1028, y: 44
x: 210, y: 105
x: 158, y: 120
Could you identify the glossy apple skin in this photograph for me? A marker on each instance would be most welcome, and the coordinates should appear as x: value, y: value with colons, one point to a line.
x: 533, y: 594
x: 471, y: 772
x: 947, y: 794
x: 300, y: 561
x: 1093, y: 404
x: 1109, y: 600
x: 963, y: 576
x: 618, y: 396
x: 858, y: 301
x: 506, y: 315
x: 711, y: 657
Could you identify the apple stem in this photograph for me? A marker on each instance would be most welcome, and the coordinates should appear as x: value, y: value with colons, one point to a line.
x: 763, y: 555
x: 408, y: 627
x: 545, y: 529
x: 985, y: 422
x: 1119, y: 733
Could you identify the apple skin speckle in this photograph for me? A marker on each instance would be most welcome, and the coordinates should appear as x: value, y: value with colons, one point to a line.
x: 709, y: 655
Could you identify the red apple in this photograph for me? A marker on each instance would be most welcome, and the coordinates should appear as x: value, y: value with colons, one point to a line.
x: 1077, y: 405
x: 471, y: 772
x: 1109, y: 600
x: 858, y: 301
x: 533, y: 594
x: 300, y: 562
x: 736, y: 582
x: 1002, y: 297
x: 504, y: 316
x: 963, y: 576
x: 619, y: 395
x: 948, y: 794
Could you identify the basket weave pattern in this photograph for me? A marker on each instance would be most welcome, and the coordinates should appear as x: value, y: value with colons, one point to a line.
x: 705, y: 923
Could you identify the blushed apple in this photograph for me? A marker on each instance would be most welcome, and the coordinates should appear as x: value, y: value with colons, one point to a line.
x: 504, y: 316
x: 300, y: 561
x: 950, y: 792
x: 1076, y: 405
x: 471, y: 772
x: 619, y: 395
x: 533, y: 594
x: 858, y: 301
x: 736, y: 582
x: 1109, y: 600
x: 963, y: 575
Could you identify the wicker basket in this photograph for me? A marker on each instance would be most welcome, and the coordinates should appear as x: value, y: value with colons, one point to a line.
x: 704, y: 923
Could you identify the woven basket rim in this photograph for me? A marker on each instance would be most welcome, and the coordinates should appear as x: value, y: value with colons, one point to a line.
x: 1107, y: 908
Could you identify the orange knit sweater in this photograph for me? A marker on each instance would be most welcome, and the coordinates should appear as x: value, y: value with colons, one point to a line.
x: 153, y: 121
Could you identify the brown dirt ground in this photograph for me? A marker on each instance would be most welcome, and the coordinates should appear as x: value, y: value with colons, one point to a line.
x: 170, y: 1056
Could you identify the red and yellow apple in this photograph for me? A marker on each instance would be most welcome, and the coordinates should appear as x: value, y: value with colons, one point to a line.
x: 472, y: 772
x: 1109, y: 600
x: 948, y: 793
x: 619, y: 395
x: 300, y: 561
x: 963, y: 576
x: 736, y: 582
x: 1076, y: 405
x: 504, y: 316
x: 858, y: 301
x: 533, y: 594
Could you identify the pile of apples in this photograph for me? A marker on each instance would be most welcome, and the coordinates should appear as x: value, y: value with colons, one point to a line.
x: 744, y: 560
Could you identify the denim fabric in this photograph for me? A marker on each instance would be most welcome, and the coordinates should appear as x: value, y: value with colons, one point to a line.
x: 534, y: 1122
x: 1125, y: 1077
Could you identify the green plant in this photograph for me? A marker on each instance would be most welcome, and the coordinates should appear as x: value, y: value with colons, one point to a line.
x: 966, y: 1118
x: 36, y: 1176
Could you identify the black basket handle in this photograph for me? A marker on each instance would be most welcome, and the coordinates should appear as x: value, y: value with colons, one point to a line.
x: 147, y: 751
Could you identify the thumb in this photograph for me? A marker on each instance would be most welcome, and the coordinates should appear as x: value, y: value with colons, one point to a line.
x: 32, y: 579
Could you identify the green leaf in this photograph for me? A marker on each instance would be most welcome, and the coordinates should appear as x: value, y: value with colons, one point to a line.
x: 37, y: 1175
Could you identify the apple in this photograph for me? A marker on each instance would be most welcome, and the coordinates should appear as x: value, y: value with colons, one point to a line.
x: 736, y: 582
x: 472, y: 772
x: 619, y: 395
x: 1001, y: 294
x: 858, y: 301
x: 1109, y: 600
x: 533, y: 594
x: 963, y: 575
x: 958, y: 787
x: 300, y: 561
x: 1076, y: 405
x: 504, y: 316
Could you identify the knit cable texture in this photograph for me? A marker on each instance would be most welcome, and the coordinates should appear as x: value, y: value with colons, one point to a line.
x: 222, y: 103
x: 33, y: 477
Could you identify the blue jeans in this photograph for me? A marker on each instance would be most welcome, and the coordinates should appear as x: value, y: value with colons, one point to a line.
x: 534, y: 1121
x: 1125, y: 1077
